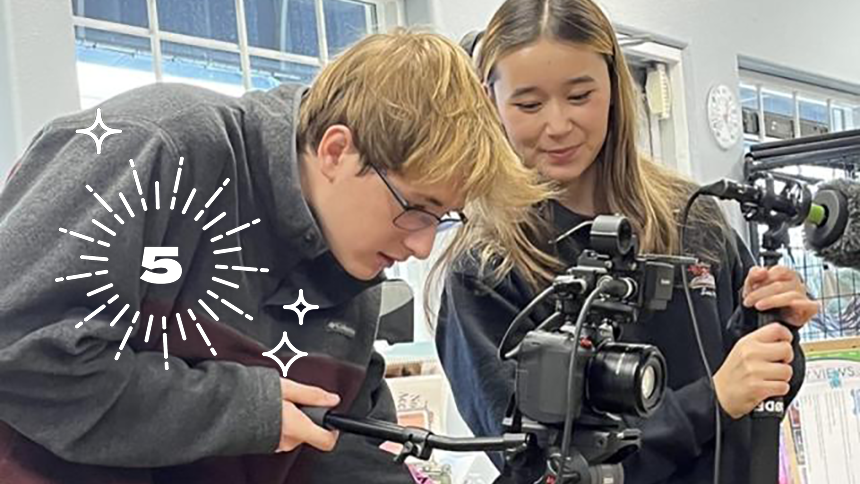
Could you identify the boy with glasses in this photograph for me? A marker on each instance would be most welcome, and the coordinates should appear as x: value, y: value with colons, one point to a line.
x: 300, y: 163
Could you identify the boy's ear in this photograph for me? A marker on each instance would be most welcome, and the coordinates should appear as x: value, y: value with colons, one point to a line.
x: 335, y: 143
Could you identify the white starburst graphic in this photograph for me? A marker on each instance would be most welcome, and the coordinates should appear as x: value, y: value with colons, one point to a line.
x: 161, y: 258
x: 285, y: 340
x: 107, y: 131
x: 295, y: 307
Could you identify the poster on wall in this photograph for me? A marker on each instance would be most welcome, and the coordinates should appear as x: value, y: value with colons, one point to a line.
x: 821, y: 431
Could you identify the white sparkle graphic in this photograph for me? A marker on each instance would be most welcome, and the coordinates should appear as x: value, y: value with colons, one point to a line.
x: 285, y: 340
x: 157, y: 255
x: 295, y: 307
x: 107, y: 131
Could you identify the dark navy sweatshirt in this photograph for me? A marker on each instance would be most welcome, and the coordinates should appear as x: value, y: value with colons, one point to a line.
x: 678, y: 439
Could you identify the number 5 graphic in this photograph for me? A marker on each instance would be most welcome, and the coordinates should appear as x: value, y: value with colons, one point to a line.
x: 172, y: 269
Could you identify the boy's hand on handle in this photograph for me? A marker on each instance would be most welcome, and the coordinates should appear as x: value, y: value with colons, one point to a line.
x: 757, y: 368
x: 296, y: 427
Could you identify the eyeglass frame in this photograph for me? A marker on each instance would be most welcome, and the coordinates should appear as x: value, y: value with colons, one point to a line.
x: 408, y: 207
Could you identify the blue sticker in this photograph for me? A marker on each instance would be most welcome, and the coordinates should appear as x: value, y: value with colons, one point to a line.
x: 835, y: 379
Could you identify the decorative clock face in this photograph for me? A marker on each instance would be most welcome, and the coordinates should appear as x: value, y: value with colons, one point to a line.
x: 724, y: 116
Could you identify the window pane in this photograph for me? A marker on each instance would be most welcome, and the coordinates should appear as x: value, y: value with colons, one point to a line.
x: 814, y: 111
x: 750, y: 111
x: 838, y: 119
x: 814, y: 117
x: 209, y: 68
x: 778, y: 103
x: 749, y: 97
x: 778, y: 114
x: 346, y: 22
x: 283, y: 25
x: 109, y: 64
x: 269, y: 73
x: 128, y: 12
x: 212, y: 19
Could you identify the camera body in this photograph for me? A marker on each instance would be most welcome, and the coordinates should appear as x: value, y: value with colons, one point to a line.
x: 613, y: 377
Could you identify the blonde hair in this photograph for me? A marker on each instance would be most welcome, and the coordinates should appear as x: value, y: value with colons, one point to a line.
x: 416, y: 106
x: 649, y: 195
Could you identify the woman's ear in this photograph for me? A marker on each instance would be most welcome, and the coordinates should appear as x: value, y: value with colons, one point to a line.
x: 491, y: 92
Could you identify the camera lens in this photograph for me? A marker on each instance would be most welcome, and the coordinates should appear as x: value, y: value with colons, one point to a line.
x: 649, y: 380
x: 626, y: 379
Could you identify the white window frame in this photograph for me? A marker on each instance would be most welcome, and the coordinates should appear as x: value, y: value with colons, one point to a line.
x: 389, y: 13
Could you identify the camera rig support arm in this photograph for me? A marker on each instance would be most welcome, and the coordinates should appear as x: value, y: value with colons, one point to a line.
x: 417, y: 442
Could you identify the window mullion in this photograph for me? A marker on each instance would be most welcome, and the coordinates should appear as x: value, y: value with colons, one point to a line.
x: 763, y: 125
x: 284, y: 56
x: 369, y: 8
x: 321, y: 33
x: 796, y: 99
x: 244, y: 55
x: 155, y: 39
x: 108, y: 26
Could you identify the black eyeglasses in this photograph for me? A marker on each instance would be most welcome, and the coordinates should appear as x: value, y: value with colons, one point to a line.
x: 416, y: 218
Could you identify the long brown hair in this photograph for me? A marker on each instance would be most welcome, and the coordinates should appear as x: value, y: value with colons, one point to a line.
x: 649, y: 195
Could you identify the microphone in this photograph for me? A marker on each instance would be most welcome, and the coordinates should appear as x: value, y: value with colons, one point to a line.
x: 836, y: 238
x: 830, y: 219
x: 796, y: 208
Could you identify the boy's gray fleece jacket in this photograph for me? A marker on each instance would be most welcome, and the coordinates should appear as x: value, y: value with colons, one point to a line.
x: 71, y: 410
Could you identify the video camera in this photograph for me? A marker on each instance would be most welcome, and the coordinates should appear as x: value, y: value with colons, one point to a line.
x: 610, y: 286
x: 570, y: 370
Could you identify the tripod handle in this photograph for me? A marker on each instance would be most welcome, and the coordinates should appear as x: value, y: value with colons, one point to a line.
x: 318, y: 416
x: 772, y: 407
x: 420, y: 441
x: 766, y: 418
